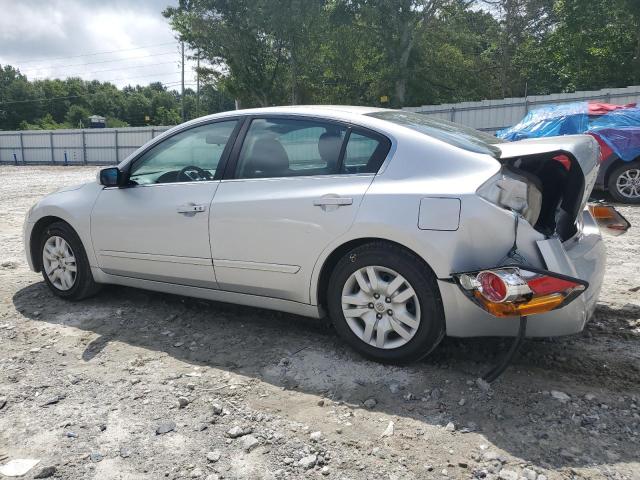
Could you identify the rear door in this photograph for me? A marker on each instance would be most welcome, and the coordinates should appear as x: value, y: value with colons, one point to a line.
x: 295, y: 185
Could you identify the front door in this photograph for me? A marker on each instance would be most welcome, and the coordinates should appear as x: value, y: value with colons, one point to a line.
x: 157, y: 227
x: 296, y: 187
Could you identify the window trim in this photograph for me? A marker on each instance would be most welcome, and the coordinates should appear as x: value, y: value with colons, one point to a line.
x: 222, y: 163
x: 232, y: 161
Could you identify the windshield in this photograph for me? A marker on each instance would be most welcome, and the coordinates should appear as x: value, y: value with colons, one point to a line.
x: 452, y: 133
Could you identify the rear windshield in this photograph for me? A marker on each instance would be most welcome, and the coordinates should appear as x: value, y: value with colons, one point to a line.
x: 452, y: 133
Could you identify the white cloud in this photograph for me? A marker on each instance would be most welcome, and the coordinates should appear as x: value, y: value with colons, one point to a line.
x: 51, y: 40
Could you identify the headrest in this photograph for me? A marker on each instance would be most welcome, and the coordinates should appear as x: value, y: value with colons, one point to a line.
x: 329, y: 147
x: 268, y: 158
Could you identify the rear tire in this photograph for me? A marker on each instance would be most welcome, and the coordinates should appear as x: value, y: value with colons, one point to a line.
x: 624, y: 182
x: 65, y: 267
x: 397, y: 317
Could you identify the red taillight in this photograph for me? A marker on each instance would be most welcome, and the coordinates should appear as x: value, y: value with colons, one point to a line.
x: 545, y: 285
x: 518, y: 291
x: 492, y: 287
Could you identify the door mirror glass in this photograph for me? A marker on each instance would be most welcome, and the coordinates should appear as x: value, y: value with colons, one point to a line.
x: 110, y: 177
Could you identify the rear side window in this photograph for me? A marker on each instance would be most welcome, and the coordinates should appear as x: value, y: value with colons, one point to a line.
x: 364, y: 153
x: 452, y: 133
x: 287, y: 148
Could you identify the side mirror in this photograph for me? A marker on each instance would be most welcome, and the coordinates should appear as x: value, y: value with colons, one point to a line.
x: 110, y: 177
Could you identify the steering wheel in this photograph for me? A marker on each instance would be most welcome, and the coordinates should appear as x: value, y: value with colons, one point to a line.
x: 191, y: 173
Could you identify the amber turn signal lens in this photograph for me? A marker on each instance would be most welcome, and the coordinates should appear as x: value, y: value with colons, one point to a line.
x: 609, y: 219
x: 535, y: 305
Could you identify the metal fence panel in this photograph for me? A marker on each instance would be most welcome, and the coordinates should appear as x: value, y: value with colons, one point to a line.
x: 493, y: 115
x: 104, y: 146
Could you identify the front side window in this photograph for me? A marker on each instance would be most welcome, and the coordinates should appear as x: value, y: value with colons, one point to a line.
x: 286, y: 148
x: 189, y: 156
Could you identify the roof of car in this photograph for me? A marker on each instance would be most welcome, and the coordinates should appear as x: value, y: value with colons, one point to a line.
x: 322, y: 110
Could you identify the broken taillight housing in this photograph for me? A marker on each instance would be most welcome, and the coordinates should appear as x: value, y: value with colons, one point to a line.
x: 609, y: 219
x: 516, y: 291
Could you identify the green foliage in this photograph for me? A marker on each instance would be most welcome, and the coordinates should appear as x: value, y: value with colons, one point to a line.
x: 51, y: 104
x: 361, y: 52
x: 77, y: 116
x: 116, y: 123
x: 411, y: 52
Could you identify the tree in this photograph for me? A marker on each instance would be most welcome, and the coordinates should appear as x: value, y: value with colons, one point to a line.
x: 77, y: 116
x: 245, y: 56
x: 454, y: 59
x: 396, y: 25
x: 524, y: 26
x: 593, y: 44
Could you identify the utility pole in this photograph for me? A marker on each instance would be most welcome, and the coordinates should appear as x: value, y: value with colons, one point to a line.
x: 182, y: 92
x: 198, y: 86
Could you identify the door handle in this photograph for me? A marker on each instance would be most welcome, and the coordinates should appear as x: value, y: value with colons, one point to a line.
x: 191, y: 208
x: 337, y: 201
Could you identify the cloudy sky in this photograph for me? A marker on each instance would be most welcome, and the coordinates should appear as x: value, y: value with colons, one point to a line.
x: 121, y: 41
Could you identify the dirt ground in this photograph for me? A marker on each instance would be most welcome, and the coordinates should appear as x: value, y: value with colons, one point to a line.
x: 137, y: 385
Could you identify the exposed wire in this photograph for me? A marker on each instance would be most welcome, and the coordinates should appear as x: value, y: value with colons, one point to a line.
x: 513, y: 255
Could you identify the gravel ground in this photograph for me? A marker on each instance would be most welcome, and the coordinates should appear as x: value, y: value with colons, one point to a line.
x: 137, y: 385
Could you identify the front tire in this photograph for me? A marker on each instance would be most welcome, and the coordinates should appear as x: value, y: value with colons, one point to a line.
x: 384, y: 302
x: 65, y: 267
x: 624, y: 182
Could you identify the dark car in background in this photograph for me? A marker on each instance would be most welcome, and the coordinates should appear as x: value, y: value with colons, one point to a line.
x: 615, y: 127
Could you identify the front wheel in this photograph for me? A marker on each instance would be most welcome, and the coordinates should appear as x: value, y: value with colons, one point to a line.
x: 384, y: 302
x: 624, y: 182
x: 65, y: 267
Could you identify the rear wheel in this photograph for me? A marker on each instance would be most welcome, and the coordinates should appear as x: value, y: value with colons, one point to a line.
x: 384, y: 302
x: 624, y: 182
x: 65, y: 267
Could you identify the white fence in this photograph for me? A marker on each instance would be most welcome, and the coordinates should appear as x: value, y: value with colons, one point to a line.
x: 99, y: 146
x: 493, y: 115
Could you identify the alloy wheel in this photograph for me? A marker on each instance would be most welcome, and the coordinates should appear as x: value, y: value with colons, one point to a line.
x: 381, y: 307
x: 628, y: 183
x: 59, y: 263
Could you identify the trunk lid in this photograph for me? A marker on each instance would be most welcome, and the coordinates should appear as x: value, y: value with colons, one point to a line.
x: 565, y: 170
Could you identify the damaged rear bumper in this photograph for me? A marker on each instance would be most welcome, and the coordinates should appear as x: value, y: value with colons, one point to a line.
x: 584, y: 258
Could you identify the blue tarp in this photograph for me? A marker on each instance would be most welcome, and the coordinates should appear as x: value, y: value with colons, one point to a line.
x: 619, y: 129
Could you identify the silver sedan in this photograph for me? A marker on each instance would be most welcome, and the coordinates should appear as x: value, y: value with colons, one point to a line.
x: 401, y: 228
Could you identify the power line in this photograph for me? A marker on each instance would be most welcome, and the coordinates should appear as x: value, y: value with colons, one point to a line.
x: 111, y: 69
x: 93, y: 63
x: 100, y: 53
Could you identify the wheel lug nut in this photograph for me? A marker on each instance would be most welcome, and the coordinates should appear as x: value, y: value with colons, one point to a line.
x: 388, y: 300
x: 376, y: 295
x: 371, y: 305
x: 379, y: 316
x: 389, y: 312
